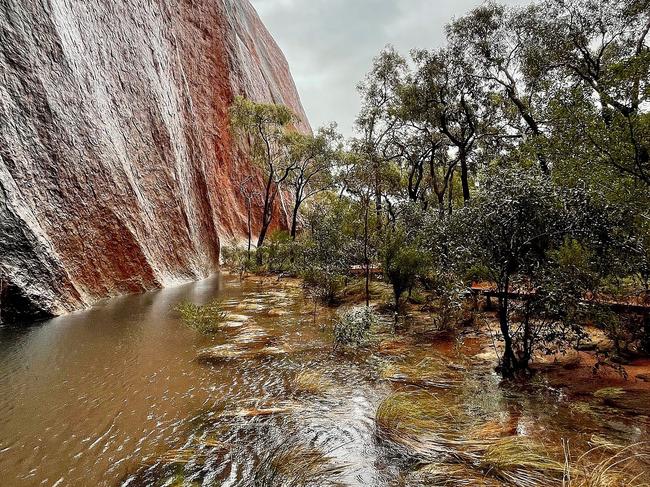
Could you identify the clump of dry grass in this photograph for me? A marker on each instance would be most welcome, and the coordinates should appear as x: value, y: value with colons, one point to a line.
x: 426, y: 427
x: 449, y: 475
x: 522, y: 462
x: 414, y: 411
x: 618, y: 465
x: 609, y: 393
x: 312, y: 382
x: 429, y: 372
x: 432, y: 430
x: 296, y: 465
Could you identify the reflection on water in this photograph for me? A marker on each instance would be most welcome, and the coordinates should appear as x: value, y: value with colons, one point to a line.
x: 116, y: 396
x: 84, y: 397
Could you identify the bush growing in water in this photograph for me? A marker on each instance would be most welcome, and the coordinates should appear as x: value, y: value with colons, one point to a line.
x: 402, y: 262
x: 205, y: 319
x: 324, y: 285
x: 236, y: 259
x: 353, y: 326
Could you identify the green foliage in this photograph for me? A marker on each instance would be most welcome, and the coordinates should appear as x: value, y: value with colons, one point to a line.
x: 263, y: 124
x: 497, y: 159
x: 278, y: 252
x: 403, y: 263
x: 330, y: 248
x: 323, y: 285
x: 237, y: 259
x: 352, y: 327
x: 206, y: 319
x: 518, y: 231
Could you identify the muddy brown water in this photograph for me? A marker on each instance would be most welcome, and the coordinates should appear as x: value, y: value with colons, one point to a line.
x: 116, y: 396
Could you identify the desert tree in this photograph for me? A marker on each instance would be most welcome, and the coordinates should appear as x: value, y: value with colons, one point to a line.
x: 263, y: 129
x: 507, y: 233
x: 449, y: 94
x: 376, y: 122
x: 313, y: 158
x: 502, y: 44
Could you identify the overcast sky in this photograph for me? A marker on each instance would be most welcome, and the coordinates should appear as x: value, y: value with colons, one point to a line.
x: 330, y: 43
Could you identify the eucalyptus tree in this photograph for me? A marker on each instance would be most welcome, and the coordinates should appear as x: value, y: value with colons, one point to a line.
x: 502, y: 45
x: 376, y: 123
x: 448, y: 93
x: 360, y: 179
x: 263, y: 130
x: 314, y: 158
x: 600, y: 51
x: 508, y: 232
x: 424, y: 149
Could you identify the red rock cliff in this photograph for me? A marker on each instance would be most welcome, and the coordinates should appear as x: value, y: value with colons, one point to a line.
x: 117, y: 170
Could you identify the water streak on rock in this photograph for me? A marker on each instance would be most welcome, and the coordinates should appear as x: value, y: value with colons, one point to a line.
x: 117, y: 169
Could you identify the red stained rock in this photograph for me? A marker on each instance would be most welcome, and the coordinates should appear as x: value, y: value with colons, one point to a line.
x: 117, y: 170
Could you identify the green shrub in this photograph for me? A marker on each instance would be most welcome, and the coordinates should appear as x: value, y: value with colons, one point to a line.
x: 236, y: 258
x: 205, y: 319
x: 353, y: 326
x: 278, y: 252
x: 324, y: 285
x: 403, y: 262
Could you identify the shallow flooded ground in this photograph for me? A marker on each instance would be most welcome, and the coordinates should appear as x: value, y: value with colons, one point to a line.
x: 125, y: 394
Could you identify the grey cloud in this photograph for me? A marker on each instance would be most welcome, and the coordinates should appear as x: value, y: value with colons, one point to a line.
x: 330, y: 43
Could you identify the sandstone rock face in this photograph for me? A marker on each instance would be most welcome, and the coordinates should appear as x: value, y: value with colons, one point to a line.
x: 117, y: 170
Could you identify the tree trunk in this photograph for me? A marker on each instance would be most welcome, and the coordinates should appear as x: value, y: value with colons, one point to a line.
x: 366, y: 257
x: 269, y: 199
x: 250, y: 231
x: 441, y: 205
x: 508, y: 361
x: 451, y: 195
x: 263, y: 231
x: 464, y: 175
x: 294, y: 219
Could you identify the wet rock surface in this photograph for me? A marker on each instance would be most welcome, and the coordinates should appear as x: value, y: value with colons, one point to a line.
x: 117, y: 170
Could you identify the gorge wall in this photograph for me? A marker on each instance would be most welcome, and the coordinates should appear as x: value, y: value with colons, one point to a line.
x: 117, y: 170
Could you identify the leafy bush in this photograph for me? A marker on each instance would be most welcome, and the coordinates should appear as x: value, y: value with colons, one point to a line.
x: 323, y: 284
x: 353, y: 326
x: 237, y: 258
x: 205, y: 319
x: 278, y: 252
x: 403, y: 263
x: 450, y: 304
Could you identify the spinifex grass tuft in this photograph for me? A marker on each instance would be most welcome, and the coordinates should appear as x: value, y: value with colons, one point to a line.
x: 609, y: 393
x: 296, y: 465
x: 431, y: 429
x: 618, y: 466
x: 521, y: 461
x: 312, y: 382
x: 429, y: 372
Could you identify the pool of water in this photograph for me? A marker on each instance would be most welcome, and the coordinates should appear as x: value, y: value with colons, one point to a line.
x: 126, y: 394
